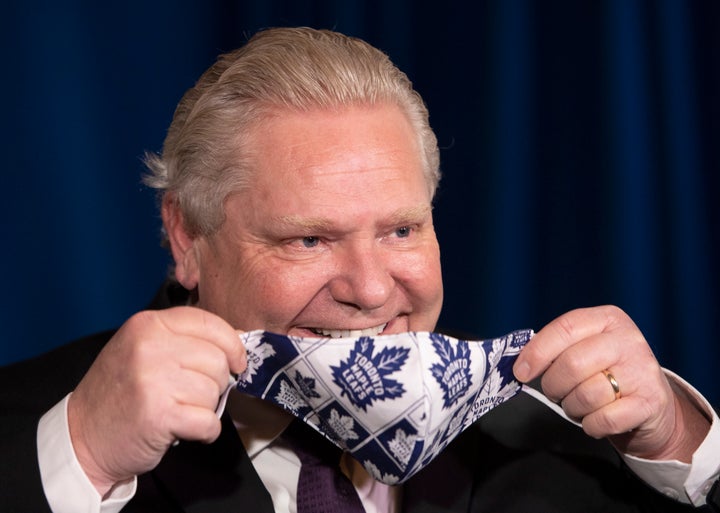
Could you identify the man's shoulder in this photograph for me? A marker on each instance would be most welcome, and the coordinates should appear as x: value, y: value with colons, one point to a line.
x: 65, y: 365
x: 40, y: 382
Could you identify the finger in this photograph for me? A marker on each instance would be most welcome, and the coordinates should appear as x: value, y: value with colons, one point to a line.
x: 196, y: 389
x: 226, y: 338
x: 195, y: 423
x: 589, y: 396
x: 579, y: 363
x: 560, y: 334
x: 618, y: 417
x: 240, y: 364
x: 191, y: 321
x: 203, y: 357
x: 165, y: 356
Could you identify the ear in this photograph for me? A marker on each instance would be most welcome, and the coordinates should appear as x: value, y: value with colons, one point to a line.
x: 182, y: 245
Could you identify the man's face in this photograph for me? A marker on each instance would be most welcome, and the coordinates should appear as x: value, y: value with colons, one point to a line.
x: 334, y: 236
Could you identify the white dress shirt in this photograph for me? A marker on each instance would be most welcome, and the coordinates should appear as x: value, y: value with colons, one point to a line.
x: 68, y: 489
x: 279, y: 467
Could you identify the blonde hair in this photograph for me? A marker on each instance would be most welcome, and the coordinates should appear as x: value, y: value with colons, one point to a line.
x: 204, y: 156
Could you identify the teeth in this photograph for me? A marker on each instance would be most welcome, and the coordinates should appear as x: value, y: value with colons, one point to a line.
x: 367, y: 332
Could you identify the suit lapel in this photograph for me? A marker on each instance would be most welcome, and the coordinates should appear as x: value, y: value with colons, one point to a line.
x: 446, y: 484
x: 214, y: 478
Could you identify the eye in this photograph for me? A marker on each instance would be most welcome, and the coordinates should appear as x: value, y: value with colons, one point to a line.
x: 310, y: 241
x: 403, y: 232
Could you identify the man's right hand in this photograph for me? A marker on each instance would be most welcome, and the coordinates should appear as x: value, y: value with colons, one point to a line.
x: 157, y: 380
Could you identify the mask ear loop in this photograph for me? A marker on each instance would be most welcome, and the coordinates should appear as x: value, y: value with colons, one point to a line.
x: 539, y: 396
x: 222, y: 402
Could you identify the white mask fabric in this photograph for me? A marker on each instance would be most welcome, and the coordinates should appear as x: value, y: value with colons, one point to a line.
x: 393, y: 401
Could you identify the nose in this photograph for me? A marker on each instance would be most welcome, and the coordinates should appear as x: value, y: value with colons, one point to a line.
x: 363, y: 276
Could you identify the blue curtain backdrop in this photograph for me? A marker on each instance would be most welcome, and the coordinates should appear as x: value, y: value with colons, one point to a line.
x: 579, y: 141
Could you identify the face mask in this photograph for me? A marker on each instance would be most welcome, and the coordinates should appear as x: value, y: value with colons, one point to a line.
x: 393, y: 401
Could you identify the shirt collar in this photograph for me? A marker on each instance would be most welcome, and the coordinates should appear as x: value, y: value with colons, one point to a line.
x: 257, y: 422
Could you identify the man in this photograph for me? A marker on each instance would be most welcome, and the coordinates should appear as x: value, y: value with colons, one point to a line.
x: 297, y: 180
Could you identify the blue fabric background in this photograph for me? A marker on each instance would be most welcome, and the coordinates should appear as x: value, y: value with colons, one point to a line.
x: 579, y: 144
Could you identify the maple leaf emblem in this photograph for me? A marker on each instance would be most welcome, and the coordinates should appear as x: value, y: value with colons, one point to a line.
x: 289, y: 398
x: 518, y: 339
x: 341, y: 427
x: 377, y: 474
x: 402, y: 446
x: 453, y: 373
x: 493, y: 358
x: 499, y: 387
x: 363, y: 377
x: 306, y: 385
x: 496, y: 390
x: 256, y: 355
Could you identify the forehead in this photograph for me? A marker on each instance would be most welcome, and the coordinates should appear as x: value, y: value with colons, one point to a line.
x: 341, y: 152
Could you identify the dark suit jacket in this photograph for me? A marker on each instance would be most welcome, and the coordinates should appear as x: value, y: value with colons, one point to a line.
x: 518, y: 458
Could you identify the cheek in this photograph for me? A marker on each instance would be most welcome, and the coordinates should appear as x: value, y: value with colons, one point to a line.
x: 235, y: 287
x: 423, y: 285
x: 422, y: 277
x: 281, y: 292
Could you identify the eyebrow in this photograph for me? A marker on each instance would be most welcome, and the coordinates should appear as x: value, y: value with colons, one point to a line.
x: 320, y: 224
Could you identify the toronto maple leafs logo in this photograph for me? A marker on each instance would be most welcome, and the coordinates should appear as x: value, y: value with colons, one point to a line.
x: 496, y: 352
x: 518, y: 339
x: 496, y: 390
x: 453, y: 373
x: 402, y: 446
x: 455, y: 426
x: 289, y: 398
x: 376, y: 473
x: 256, y: 355
x: 341, y: 427
x: 363, y: 377
x: 306, y: 386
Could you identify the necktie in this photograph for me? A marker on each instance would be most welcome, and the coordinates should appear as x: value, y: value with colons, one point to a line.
x: 322, y: 487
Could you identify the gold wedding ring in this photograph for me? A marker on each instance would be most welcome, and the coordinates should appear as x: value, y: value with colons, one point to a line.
x: 613, y: 383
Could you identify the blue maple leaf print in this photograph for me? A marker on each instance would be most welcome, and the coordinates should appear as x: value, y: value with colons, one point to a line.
x: 393, y: 389
x: 391, y: 359
x: 363, y: 377
x: 453, y: 373
x: 442, y: 347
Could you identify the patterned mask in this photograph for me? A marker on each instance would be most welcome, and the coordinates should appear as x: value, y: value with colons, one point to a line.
x: 393, y: 401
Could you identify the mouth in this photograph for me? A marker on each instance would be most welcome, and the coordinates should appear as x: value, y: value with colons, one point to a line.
x: 335, y: 333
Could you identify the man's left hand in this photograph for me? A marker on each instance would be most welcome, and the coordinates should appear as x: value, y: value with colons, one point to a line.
x: 648, y: 418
